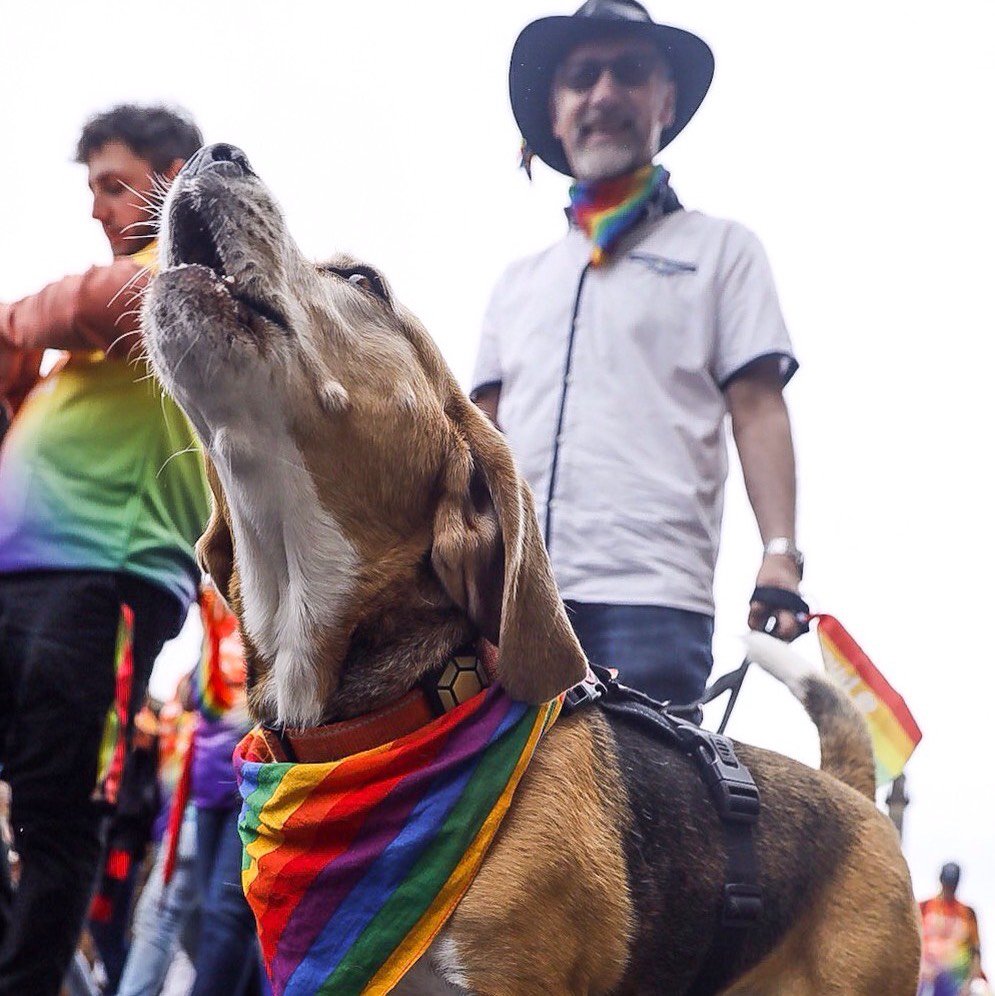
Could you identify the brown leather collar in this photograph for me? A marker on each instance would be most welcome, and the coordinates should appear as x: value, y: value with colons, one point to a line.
x: 460, y: 677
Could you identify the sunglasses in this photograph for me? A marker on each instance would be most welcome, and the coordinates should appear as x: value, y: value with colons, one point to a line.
x: 628, y: 69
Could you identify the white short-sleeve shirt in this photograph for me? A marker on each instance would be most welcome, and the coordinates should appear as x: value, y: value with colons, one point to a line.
x: 626, y: 452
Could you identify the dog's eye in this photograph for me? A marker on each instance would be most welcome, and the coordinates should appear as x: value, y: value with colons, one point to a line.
x: 363, y: 277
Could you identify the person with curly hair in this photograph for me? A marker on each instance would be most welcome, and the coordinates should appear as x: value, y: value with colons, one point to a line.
x: 102, y: 496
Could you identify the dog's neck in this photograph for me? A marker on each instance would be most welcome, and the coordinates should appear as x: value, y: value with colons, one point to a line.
x: 391, y: 635
x: 386, y: 659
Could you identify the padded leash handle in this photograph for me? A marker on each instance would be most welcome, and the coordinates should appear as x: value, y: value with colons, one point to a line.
x: 776, y: 599
x: 732, y: 682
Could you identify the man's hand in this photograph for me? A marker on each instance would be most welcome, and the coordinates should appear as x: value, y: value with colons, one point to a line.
x: 777, y: 571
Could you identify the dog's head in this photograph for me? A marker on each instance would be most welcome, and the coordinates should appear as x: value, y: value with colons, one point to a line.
x: 367, y: 517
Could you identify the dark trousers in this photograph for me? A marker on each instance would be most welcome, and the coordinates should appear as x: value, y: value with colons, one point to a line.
x: 57, y: 641
x: 662, y: 651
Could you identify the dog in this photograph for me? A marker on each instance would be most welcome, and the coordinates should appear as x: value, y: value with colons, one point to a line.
x: 367, y: 519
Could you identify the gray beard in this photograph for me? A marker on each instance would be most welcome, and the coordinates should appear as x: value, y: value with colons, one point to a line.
x: 604, y: 162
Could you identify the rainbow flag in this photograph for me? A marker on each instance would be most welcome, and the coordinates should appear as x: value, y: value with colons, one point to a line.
x: 352, y: 867
x: 894, y: 733
x: 114, y: 742
x: 220, y: 674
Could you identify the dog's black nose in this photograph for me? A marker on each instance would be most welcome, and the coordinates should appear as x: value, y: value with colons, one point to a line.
x: 229, y: 160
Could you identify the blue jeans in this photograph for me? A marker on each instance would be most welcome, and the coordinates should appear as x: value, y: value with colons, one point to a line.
x: 943, y: 985
x: 165, y: 917
x: 227, y: 954
x: 662, y: 651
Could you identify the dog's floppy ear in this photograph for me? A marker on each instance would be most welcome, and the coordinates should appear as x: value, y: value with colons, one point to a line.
x: 489, y: 555
x: 215, y: 549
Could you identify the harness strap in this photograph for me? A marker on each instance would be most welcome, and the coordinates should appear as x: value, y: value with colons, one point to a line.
x: 731, y: 787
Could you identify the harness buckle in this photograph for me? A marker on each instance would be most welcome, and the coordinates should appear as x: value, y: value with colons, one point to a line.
x: 742, y: 904
x: 732, y: 786
x: 586, y: 691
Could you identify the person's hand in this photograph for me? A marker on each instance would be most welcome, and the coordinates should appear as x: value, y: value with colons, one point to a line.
x: 780, y: 572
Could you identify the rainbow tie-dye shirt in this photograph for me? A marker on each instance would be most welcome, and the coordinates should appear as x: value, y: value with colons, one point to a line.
x: 101, y: 471
x: 949, y: 942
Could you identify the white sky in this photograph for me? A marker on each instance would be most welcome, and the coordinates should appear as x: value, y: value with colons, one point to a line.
x: 853, y: 137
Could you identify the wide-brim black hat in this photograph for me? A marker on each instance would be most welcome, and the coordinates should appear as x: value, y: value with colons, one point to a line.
x: 543, y: 44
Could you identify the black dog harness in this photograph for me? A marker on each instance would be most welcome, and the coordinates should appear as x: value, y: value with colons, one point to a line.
x: 731, y: 787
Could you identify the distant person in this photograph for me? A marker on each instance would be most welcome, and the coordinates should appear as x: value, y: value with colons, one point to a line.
x: 228, y: 957
x: 102, y: 497
x: 951, y: 946
x: 611, y: 358
x: 167, y: 914
x: 128, y: 834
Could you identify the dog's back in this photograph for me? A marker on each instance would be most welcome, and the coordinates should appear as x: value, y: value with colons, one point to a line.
x: 839, y: 916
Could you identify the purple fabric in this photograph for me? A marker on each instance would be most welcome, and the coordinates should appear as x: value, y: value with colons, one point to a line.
x: 212, y: 779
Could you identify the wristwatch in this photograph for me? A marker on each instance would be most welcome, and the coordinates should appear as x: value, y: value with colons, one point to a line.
x: 781, y: 546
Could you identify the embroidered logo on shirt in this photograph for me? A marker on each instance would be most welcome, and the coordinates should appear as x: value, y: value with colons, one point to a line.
x: 663, y: 265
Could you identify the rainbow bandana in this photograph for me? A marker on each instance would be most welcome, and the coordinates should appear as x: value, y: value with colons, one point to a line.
x: 352, y: 867
x: 607, y: 209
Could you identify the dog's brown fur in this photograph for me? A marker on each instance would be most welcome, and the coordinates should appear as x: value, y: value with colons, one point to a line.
x: 337, y: 436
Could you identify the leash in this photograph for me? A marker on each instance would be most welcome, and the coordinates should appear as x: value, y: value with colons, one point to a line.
x: 732, y: 681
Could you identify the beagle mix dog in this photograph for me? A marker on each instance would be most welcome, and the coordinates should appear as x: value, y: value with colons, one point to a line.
x: 368, y: 519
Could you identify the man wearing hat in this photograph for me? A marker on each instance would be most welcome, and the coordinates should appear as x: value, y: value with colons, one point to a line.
x: 611, y: 358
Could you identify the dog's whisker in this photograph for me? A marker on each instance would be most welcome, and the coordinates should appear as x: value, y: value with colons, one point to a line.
x: 134, y: 313
x: 137, y: 297
x: 120, y: 339
x: 129, y: 283
x: 178, y: 453
x: 142, y: 196
x: 136, y: 354
x: 153, y: 224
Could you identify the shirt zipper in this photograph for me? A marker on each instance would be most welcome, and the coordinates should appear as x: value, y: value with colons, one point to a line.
x: 547, y: 530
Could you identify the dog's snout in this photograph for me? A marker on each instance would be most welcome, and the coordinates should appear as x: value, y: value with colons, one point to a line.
x: 221, y: 157
x: 222, y: 152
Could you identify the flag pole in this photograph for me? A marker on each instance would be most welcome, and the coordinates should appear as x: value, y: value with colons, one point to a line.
x: 898, y: 801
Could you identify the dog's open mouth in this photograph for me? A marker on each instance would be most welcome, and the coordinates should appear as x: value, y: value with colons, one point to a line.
x: 192, y: 243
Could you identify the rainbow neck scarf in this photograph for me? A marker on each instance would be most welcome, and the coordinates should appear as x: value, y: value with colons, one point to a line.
x: 607, y: 209
x: 352, y: 867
